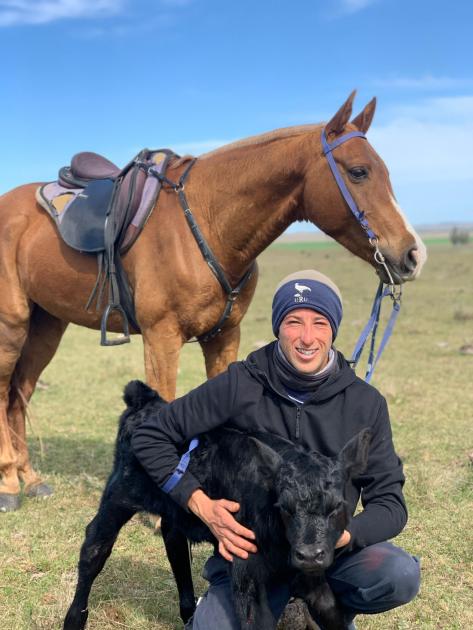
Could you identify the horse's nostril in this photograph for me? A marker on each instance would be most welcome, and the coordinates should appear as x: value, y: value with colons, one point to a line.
x: 411, y: 259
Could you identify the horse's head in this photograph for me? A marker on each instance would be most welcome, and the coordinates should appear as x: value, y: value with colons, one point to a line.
x: 367, y: 180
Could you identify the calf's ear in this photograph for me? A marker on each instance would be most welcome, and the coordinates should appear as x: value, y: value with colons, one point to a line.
x: 354, y: 455
x: 270, y: 459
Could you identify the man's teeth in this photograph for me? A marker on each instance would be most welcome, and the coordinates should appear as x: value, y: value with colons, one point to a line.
x: 306, y: 352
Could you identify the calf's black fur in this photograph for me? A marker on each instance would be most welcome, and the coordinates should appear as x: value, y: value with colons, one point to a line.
x: 291, y: 499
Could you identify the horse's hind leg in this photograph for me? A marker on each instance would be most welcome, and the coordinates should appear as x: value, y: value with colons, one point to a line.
x: 177, y: 550
x: 100, y: 536
x: 43, y: 339
x: 13, y: 331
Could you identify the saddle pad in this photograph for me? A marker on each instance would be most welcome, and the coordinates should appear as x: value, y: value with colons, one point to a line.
x: 82, y: 223
x: 80, y: 213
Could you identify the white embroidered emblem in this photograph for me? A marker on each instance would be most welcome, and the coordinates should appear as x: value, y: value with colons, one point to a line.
x: 300, y: 288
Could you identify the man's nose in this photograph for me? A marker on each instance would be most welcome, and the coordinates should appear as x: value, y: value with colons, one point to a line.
x: 307, y: 335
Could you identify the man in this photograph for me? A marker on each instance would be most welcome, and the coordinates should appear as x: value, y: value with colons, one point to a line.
x: 302, y: 388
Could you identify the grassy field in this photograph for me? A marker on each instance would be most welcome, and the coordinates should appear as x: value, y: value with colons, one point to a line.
x: 423, y: 374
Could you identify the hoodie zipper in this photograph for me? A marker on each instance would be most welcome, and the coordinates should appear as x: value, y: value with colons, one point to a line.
x: 298, y: 422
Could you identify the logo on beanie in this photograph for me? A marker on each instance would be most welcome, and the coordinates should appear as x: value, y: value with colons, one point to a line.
x: 300, y: 288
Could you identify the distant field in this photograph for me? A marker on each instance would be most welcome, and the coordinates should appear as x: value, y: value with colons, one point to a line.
x: 424, y: 376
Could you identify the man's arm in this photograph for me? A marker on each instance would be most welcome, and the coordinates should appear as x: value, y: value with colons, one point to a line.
x: 385, y: 513
x: 156, y: 442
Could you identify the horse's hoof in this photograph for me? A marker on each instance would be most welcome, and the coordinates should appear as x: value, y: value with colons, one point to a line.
x: 39, y: 491
x: 9, y: 502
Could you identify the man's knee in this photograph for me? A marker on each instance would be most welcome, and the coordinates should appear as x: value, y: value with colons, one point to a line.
x: 376, y: 579
x: 403, y: 572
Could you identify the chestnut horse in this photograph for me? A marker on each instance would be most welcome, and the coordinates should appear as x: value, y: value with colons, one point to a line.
x: 243, y: 196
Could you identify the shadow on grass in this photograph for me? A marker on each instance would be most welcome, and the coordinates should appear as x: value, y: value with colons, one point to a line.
x: 144, y: 589
x: 73, y: 455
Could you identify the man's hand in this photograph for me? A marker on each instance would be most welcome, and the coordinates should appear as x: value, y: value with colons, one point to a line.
x: 232, y: 537
x: 343, y: 540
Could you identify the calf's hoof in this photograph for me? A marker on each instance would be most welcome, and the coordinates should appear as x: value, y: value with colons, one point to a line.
x: 9, y: 502
x: 38, y: 491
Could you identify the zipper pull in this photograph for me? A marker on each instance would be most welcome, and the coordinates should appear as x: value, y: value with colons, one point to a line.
x: 298, y: 422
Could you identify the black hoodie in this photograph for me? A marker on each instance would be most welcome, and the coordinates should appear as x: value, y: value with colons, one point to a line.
x: 250, y: 397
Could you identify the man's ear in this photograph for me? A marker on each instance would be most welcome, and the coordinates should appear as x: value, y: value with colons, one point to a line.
x: 354, y: 455
x: 270, y: 459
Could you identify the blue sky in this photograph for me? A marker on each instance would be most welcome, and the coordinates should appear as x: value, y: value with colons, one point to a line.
x: 113, y: 76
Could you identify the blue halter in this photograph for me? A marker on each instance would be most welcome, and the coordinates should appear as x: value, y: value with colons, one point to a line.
x: 382, y: 291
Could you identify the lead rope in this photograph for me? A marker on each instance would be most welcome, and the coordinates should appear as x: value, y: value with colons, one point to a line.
x: 395, y: 293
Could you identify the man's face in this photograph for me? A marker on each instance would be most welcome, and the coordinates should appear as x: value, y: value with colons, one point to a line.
x: 306, y: 338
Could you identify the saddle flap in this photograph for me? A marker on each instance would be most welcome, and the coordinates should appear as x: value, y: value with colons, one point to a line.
x: 82, y: 224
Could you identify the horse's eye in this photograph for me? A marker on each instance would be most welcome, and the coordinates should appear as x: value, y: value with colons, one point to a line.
x: 358, y: 173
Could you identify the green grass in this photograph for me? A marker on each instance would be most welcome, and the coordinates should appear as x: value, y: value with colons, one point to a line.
x: 428, y: 385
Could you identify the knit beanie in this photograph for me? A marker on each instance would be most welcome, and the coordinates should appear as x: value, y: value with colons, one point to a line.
x: 307, y: 289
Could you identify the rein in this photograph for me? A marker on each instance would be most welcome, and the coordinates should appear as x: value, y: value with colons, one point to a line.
x: 382, y: 291
x: 208, y: 255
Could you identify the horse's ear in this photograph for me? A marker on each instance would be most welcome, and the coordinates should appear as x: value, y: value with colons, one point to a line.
x: 337, y: 124
x: 364, y: 118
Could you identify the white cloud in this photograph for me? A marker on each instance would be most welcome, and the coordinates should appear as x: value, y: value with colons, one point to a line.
x: 353, y: 6
x: 428, y: 142
x: 425, y: 82
x: 15, y: 12
x: 199, y: 147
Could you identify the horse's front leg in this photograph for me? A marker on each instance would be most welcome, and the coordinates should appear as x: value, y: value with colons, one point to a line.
x: 162, y: 344
x: 220, y: 351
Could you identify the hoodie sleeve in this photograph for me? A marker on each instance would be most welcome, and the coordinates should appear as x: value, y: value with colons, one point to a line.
x: 159, y: 440
x: 384, y: 512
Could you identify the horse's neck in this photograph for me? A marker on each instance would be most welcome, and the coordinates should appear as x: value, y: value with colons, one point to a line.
x: 252, y: 195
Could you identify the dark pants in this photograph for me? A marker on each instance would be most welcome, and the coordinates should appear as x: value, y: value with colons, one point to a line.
x: 370, y: 580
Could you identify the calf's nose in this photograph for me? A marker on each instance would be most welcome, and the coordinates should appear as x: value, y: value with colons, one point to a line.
x: 310, y: 556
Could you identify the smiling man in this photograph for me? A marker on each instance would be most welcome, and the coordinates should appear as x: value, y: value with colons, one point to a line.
x: 300, y: 387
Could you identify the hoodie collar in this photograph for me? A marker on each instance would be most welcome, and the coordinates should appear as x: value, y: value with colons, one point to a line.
x: 260, y: 364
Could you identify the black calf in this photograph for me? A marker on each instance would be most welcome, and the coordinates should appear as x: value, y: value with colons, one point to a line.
x: 291, y: 499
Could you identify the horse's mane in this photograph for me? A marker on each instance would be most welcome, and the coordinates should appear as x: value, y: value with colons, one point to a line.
x: 269, y: 136
x: 262, y: 138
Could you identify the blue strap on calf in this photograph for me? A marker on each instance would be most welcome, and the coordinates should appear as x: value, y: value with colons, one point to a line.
x: 177, y: 475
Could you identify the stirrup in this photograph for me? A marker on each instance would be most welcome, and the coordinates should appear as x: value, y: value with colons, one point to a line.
x: 103, y: 327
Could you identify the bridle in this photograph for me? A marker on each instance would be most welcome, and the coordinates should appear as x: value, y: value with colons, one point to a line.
x: 391, y: 289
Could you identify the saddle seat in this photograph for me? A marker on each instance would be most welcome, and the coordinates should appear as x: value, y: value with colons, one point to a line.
x: 88, y: 165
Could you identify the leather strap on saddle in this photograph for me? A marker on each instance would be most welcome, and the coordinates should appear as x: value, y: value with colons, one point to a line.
x: 99, y: 208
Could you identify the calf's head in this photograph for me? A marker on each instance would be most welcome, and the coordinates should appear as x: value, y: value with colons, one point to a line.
x: 310, y: 489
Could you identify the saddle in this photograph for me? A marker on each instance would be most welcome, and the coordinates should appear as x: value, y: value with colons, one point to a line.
x: 101, y: 209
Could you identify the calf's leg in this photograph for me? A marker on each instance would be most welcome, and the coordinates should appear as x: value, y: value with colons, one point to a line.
x: 177, y: 551
x: 321, y: 603
x: 250, y: 594
x: 100, y: 536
